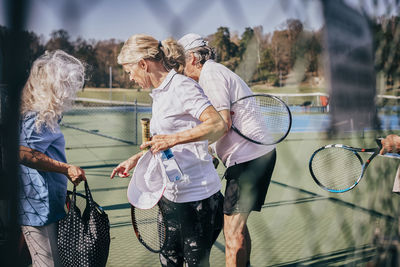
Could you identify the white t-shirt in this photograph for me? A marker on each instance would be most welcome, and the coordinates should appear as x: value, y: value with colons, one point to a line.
x: 177, y: 105
x: 223, y: 87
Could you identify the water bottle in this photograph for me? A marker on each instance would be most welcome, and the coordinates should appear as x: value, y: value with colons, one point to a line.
x: 172, y: 168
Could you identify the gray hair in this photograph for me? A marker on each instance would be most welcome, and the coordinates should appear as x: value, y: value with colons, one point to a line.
x: 53, y: 82
x: 202, y: 54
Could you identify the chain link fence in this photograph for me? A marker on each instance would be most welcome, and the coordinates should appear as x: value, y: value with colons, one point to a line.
x: 101, y: 123
x: 296, y: 226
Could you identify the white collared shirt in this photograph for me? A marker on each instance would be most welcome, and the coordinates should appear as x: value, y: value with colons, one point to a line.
x: 177, y: 105
x: 223, y: 87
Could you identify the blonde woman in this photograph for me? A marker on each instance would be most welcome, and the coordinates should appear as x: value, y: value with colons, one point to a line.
x: 52, y: 84
x: 184, y: 121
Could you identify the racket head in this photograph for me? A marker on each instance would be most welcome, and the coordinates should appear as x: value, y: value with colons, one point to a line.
x: 336, y: 168
x: 150, y: 227
x: 261, y: 118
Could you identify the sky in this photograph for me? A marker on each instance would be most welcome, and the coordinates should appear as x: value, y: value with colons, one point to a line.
x: 119, y: 19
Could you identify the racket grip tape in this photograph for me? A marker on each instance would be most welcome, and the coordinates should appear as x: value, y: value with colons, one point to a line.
x: 145, y: 123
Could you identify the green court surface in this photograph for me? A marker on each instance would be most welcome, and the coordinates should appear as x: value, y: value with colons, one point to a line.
x: 300, y: 224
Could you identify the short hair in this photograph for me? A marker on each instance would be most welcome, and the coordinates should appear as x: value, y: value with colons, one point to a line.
x: 202, y: 54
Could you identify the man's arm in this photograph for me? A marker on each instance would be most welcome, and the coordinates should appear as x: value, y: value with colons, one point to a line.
x: 226, y: 116
x: 212, y: 128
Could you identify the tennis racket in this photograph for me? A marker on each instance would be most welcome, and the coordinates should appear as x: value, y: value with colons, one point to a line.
x: 149, y: 224
x: 339, y: 168
x: 261, y: 118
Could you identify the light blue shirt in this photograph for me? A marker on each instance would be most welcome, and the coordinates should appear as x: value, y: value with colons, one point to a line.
x: 41, y: 194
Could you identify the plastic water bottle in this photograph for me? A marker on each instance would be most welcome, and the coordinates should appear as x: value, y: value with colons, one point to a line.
x: 172, y: 168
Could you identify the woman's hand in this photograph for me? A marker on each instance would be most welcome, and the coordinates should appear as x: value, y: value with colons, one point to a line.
x: 160, y: 142
x: 75, y: 174
x: 124, y: 167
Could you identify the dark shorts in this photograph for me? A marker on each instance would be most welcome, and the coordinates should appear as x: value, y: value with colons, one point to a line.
x: 193, y: 228
x: 247, y: 184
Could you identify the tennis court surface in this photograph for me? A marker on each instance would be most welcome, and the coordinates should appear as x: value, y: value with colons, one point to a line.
x: 300, y: 224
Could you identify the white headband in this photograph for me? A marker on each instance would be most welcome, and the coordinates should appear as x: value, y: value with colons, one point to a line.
x: 192, y: 40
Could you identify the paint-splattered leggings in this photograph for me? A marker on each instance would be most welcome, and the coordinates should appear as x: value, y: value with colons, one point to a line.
x: 193, y: 228
x: 42, y: 244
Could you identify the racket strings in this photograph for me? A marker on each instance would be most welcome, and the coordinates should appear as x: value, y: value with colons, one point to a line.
x: 261, y: 118
x: 336, y: 168
x: 151, y: 228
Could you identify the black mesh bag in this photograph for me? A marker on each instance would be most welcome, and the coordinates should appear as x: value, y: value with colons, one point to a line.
x: 84, y: 234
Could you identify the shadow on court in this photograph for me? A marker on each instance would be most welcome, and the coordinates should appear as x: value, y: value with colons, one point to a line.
x: 299, y: 225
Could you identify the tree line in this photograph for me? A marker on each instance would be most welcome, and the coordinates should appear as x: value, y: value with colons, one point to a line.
x: 254, y: 55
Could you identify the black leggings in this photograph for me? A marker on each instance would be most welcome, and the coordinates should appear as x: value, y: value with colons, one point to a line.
x: 193, y: 228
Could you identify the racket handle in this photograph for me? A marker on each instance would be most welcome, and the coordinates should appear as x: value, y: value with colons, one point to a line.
x: 215, y: 162
x: 145, y: 123
x: 379, y: 142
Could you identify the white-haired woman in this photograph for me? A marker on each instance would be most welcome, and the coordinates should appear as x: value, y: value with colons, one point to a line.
x: 250, y: 166
x: 54, y: 79
x: 184, y: 120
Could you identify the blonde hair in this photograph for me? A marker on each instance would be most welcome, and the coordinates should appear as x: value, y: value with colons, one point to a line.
x: 54, y: 79
x: 140, y: 46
